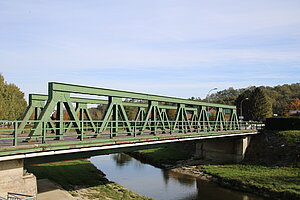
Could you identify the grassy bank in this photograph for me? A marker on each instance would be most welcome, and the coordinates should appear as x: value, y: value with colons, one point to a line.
x: 164, y: 156
x: 275, y: 148
x: 281, y: 182
x: 83, y: 179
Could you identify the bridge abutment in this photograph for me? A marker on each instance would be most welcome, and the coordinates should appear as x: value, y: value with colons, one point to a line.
x: 14, y: 179
x: 223, y: 150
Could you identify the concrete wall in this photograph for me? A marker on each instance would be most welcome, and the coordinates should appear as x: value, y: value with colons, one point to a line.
x: 13, y: 179
x: 226, y: 150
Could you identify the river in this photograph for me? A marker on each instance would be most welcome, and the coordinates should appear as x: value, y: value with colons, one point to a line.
x: 162, y: 184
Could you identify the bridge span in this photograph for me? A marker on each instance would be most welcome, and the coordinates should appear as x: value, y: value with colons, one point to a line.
x: 60, y: 124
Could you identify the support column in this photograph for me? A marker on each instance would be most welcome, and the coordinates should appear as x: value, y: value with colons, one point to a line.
x: 223, y: 150
x: 13, y: 179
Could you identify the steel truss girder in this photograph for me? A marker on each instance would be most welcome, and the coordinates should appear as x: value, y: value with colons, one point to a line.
x: 54, y: 86
x: 43, y: 98
x: 155, y: 117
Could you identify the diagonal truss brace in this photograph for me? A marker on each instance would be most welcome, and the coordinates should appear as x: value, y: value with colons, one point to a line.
x: 115, y: 111
x: 153, y: 114
x: 204, y: 119
x: 220, y: 123
x: 233, y: 123
x: 182, y: 120
x: 58, y: 99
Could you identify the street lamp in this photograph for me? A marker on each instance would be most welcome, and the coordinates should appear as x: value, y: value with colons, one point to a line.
x: 209, y: 93
x: 242, y: 106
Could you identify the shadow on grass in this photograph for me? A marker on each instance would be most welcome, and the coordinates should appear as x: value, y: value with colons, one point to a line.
x: 79, y: 173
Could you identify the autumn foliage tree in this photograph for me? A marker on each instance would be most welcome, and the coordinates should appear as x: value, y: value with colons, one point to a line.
x: 12, y: 102
x: 293, y: 105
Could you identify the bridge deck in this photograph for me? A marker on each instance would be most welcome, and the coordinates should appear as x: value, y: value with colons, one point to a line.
x: 71, y: 144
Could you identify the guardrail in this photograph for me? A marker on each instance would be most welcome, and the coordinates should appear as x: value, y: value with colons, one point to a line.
x: 12, y: 135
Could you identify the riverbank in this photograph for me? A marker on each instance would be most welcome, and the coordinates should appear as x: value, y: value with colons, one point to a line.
x: 270, y: 169
x: 83, y: 180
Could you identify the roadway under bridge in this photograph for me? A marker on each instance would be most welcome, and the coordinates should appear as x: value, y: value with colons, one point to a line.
x: 60, y: 125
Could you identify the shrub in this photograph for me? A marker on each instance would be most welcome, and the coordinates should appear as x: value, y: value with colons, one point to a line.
x: 283, y: 123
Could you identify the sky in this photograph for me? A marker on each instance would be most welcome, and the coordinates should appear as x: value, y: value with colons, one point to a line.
x: 166, y: 47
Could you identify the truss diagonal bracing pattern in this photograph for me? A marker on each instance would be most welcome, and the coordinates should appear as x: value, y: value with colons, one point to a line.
x: 59, y: 116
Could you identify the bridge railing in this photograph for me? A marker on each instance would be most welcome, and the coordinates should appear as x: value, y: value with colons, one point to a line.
x: 12, y: 135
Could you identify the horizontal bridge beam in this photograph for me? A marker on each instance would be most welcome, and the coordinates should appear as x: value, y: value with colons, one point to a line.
x: 43, y: 98
x: 70, y: 88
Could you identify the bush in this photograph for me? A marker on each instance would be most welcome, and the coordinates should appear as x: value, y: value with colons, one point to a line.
x: 283, y: 123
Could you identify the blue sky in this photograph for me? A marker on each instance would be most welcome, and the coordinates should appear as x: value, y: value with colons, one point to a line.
x: 166, y: 47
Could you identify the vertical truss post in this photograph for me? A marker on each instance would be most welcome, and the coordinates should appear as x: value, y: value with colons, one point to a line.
x: 233, y: 124
x: 182, y: 119
x: 165, y: 119
x: 139, y: 120
x: 115, y: 123
x: 220, y: 120
x: 194, y: 121
x: 115, y: 111
x: 204, y: 119
x: 44, y: 132
x: 151, y: 116
x: 15, y: 141
x: 153, y: 124
x: 60, y: 121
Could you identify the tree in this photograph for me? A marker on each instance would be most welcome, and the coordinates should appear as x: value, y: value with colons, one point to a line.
x: 12, y: 102
x: 261, y: 106
x: 293, y: 105
x: 246, y: 104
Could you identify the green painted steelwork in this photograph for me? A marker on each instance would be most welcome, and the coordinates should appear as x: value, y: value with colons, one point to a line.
x: 69, y: 88
x: 73, y: 120
x: 59, y: 94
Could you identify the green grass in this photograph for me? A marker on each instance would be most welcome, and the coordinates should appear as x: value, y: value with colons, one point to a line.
x: 291, y: 136
x: 82, y: 174
x: 284, y: 180
x: 168, y: 154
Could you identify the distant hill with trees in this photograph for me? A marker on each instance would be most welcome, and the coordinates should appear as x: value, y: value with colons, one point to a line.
x: 263, y: 101
x: 12, y: 102
x: 258, y: 102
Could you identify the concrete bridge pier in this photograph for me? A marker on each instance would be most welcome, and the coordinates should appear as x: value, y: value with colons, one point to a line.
x: 14, y: 179
x: 223, y: 150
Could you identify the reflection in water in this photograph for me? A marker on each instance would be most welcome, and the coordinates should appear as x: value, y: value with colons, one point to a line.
x: 121, y: 159
x: 162, y: 184
x: 175, y: 176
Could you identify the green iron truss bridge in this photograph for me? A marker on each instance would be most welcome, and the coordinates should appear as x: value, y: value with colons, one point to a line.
x: 47, y: 133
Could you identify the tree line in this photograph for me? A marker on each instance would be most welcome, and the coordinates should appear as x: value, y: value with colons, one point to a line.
x: 257, y: 103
